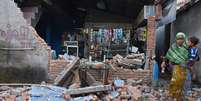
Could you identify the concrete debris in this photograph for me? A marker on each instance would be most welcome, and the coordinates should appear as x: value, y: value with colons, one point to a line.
x: 74, y: 86
x: 121, y: 91
x: 91, y: 65
x: 112, y: 68
x: 113, y: 94
x: 130, y: 61
x: 50, y: 93
x: 134, y: 82
x: 146, y: 89
x: 119, y: 83
x: 134, y: 56
x: 125, y: 85
x: 4, y: 88
x: 136, y: 92
x: 117, y: 57
x: 87, y: 90
x: 85, y: 98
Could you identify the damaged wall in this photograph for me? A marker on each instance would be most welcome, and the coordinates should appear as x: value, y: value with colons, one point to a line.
x: 20, y: 47
x: 189, y: 22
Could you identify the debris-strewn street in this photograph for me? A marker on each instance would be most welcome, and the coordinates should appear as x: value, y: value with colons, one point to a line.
x: 101, y: 87
x: 100, y: 50
x: 119, y: 91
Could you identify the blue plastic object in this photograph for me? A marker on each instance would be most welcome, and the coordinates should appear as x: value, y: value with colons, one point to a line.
x: 155, y: 71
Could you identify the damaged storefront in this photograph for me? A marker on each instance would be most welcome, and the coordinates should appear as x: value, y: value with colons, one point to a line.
x: 79, y: 50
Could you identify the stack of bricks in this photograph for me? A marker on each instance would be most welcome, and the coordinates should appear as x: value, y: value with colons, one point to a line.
x: 56, y: 67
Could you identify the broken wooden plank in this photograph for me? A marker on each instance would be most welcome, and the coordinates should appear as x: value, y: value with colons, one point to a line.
x: 68, y: 81
x: 86, y: 77
x: 87, y: 90
x: 91, y: 80
x: 63, y: 76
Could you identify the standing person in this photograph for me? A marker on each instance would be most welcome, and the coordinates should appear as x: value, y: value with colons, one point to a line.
x: 193, y: 54
x: 193, y: 57
x: 177, y: 56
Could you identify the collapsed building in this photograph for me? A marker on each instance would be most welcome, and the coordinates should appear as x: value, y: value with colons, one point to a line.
x: 24, y: 50
x: 34, y: 34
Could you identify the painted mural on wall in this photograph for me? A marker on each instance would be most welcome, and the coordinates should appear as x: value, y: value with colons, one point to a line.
x: 15, y: 38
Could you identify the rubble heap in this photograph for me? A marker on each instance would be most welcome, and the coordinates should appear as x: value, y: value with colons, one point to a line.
x: 130, y: 67
x: 119, y: 90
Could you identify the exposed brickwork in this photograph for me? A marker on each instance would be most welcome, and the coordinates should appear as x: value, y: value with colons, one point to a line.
x: 151, y: 33
x: 55, y: 67
x: 144, y: 75
x: 151, y: 39
x: 133, y: 74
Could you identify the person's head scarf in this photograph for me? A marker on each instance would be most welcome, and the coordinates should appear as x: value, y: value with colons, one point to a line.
x: 180, y: 35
